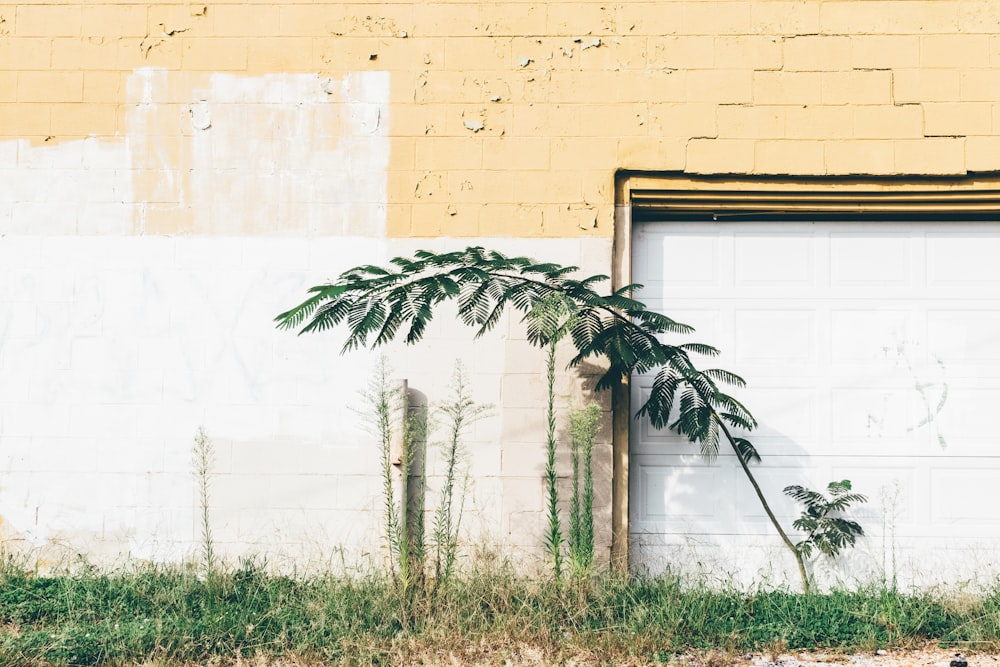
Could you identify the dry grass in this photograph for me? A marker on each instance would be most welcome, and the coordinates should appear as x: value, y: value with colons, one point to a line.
x: 172, y: 618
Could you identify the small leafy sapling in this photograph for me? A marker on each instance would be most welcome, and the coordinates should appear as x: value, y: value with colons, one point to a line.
x: 822, y: 520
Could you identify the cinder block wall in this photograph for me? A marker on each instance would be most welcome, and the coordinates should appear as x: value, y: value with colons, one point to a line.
x: 508, y: 118
x: 173, y: 174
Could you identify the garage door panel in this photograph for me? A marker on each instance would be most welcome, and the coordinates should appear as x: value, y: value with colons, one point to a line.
x: 663, y: 439
x: 955, y: 259
x: 684, y: 495
x: 754, y: 254
x: 877, y: 333
x: 968, y: 415
x: 964, y: 335
x: 787, y: 412
x: 960, y: 494
x: 858, y: 412
x: 708, y: 324
x: 680, y: 259
x: 864, y: 259
x: 781, y: 336
x: 871, y: 352
x: 682, y: 492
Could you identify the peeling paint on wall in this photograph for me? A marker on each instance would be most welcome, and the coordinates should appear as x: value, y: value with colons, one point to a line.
x: 281, y: 154
x: 68, y: 188
x: 277, y: 154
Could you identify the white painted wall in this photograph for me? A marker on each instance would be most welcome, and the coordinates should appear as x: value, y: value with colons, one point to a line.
x: 114, y: 350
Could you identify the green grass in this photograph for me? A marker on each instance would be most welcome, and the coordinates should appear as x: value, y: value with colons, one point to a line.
x: 171, y: 615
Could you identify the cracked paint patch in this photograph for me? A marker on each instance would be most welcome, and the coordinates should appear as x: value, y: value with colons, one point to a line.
x: 281, y: 154
x: 274, y: 154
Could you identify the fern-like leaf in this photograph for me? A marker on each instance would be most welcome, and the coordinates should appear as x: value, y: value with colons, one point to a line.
x: 377, y: 304
x: 746, y: 451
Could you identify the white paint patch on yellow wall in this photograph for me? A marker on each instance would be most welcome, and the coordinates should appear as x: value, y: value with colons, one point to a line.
x: 81, y: 186
x: 289, y: 154
x: 220, y: 154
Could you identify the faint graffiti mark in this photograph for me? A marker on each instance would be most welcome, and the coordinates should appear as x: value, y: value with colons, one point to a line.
x: 931, y: 386
x: 925, y: 389
x: 875, y: 425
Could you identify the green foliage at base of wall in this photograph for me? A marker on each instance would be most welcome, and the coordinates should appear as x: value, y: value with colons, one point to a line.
x: 171, y: 614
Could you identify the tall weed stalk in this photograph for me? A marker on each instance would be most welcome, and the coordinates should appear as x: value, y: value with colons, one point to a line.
x: 382, y: 403
x: 583, y: 426
x: 553, y: 533
x: 404, y: 539
x: 889, y: 496
x: 552, y: 319
x: 203, y: 459
x: 459, y: 412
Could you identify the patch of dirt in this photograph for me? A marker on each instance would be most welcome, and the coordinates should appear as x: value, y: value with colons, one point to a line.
x: 521, y: 655
x: 932, y: 656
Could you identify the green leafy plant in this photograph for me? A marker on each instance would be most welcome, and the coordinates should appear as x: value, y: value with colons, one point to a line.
x: 403, y: 536
x: 377, y: 303
x: 889, y: 496
x: 553, y: 315
x: 145, y: 614
x: 460, y: 411
x: 203, y: 459
x: 822, y: 521
x: 583, y: 426
x: 382, y: 402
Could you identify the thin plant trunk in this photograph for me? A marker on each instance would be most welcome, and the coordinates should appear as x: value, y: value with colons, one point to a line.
x: 767, y: 509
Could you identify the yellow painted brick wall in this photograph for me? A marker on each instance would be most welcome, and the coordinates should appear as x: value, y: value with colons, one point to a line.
x: 511, y: 118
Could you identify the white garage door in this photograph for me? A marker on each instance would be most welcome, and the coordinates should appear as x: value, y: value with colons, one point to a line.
x: 871, y: 353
